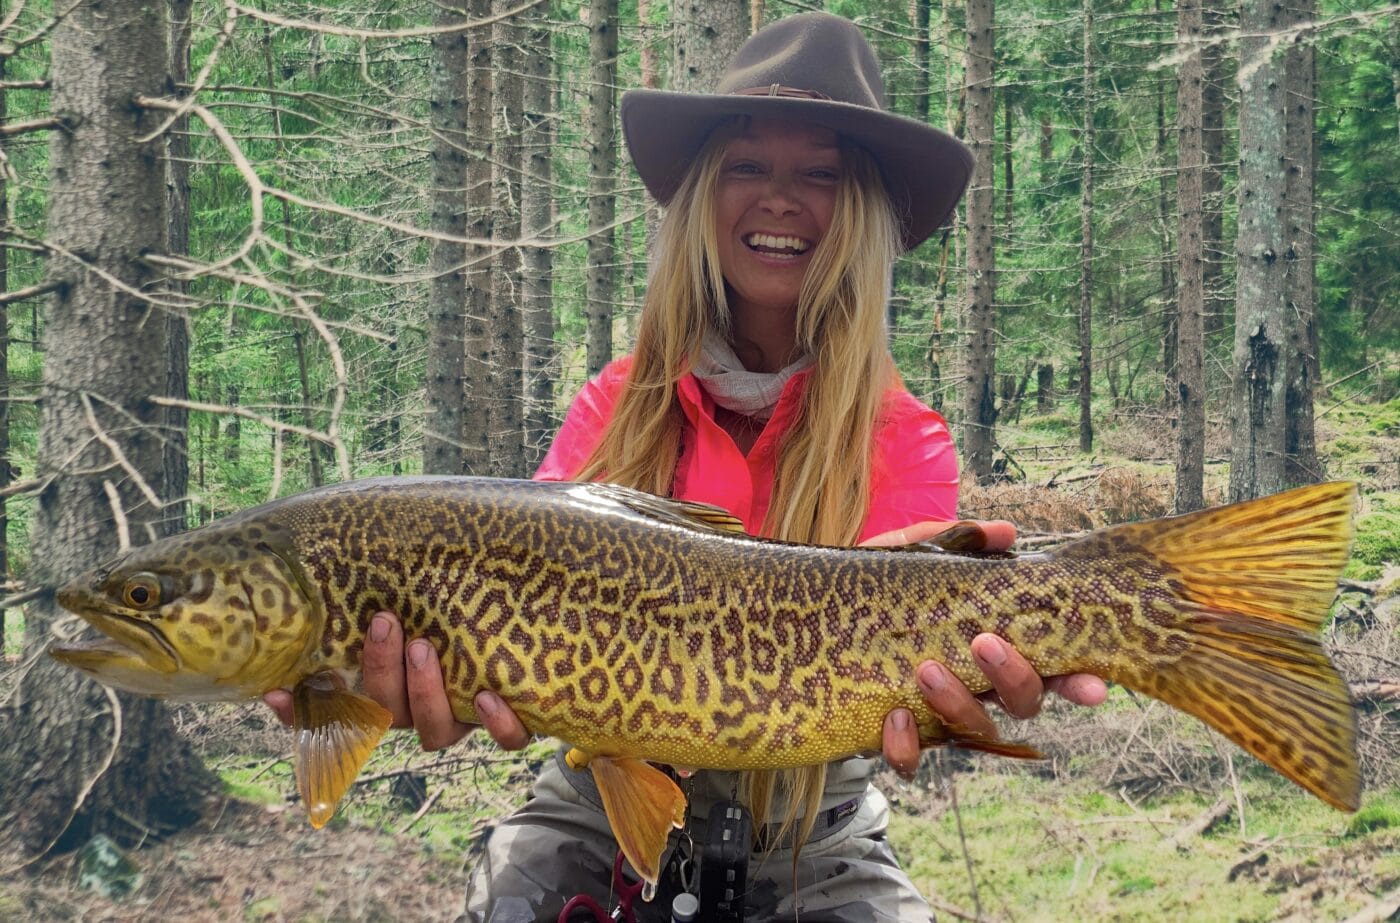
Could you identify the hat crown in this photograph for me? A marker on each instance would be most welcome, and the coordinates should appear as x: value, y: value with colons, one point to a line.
x: 815, y: 52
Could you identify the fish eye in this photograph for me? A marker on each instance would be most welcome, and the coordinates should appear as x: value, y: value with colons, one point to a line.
x: 142, y: 591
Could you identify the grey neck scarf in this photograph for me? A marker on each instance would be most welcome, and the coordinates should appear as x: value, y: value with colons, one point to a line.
x: 733, y: 387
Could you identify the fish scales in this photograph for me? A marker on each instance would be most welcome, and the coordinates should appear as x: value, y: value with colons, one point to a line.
x: 638, y: 628
x: 752, y: 654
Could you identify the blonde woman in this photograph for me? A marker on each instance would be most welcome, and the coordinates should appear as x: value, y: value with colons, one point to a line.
x: 761, y: 383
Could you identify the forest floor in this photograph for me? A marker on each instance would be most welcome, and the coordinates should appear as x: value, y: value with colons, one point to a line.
x: 1138, y: 814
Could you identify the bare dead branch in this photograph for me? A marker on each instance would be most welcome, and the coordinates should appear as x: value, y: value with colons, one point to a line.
x: 33, y: 291
x: 183, y: 106
x: 246, y: 414
x: 118, y: 455
x: 256, y: 189
x: 15, y: 129
x: 1187, y: 832
x: 24, y: 84
x: 306, y: 25
x: 114, y: 500
x: 19, y: 599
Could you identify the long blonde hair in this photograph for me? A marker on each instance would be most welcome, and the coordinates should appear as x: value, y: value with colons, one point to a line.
x: 822, y: 481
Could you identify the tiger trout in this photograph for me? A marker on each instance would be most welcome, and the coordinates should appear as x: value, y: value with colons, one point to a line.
x: 645, y: 630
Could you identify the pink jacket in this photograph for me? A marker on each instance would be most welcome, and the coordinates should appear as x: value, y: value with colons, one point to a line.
x: 915, y: 475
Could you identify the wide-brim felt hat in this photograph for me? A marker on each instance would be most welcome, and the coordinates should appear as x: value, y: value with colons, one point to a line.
x: 815, y: 68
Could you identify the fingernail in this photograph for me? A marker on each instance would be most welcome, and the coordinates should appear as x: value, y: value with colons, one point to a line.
x: 486, y: 706
x: 933, y: 678
x: 992, y: 652
x: 378, y: 629
x: 418, y: 653
x: 899, y: 721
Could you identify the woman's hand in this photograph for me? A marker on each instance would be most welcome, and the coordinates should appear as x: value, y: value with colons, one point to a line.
x: 1016, y: 687
x: 408, y: 682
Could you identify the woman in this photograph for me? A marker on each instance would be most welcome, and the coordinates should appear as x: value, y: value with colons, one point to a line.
x: 761, y: 382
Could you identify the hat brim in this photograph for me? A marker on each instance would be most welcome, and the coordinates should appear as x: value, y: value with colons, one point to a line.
x: 925, y: 169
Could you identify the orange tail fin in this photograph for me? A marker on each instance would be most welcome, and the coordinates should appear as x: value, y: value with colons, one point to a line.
x: 1258, y: 579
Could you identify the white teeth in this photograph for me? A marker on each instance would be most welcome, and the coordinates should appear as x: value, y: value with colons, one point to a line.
x: 771, y: 242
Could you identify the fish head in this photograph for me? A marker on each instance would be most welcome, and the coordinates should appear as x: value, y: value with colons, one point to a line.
x: 220, y: 613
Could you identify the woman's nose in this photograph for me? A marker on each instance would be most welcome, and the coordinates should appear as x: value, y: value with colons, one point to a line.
x: 780, y: 195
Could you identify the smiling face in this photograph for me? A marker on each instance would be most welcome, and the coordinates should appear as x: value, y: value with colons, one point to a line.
x: 774, y: 199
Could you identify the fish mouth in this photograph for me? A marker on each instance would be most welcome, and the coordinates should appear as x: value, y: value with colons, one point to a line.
x: 129, y: 643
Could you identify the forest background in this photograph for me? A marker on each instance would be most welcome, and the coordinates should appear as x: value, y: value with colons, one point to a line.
x: 251, y: 249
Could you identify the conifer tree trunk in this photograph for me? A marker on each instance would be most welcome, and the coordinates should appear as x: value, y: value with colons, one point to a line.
x: 707, y: 33
x: 476, y: 367
x: 1302, y: 465
x: 1190, y: 345
x: 1217, y: 306
x: 177, y: 151
x: 979, y: 418
x: 447, y: 289
x: 1258, y: 403
x: 4, y: 377
x: 78, y: 759
x: 1086, y: 242
x: 537, y: 218
x: 506, y: 440
x: 602, y: 168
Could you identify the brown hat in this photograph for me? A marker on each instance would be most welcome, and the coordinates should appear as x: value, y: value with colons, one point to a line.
x: 813, y: 67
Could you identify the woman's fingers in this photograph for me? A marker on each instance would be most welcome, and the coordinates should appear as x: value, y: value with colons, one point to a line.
x: 1019, y: 688
x: 1079, y: 688
x: 382, y: 661
x: 947, y: 696
x: 960, y: 535
x: 500, y: 721
x: 900, y: 742
x: 427, y: 699
x: 280, y: 701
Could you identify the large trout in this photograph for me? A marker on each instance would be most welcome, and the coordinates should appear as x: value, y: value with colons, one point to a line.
x: 640, y: 629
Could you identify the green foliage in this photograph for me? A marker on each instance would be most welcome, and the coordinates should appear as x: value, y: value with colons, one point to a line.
x: 1373, y: 817
x: 1055, y: 850
x: 1378, y: 532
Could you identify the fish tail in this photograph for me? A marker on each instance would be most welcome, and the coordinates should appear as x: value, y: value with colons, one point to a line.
x: 1258, y: 579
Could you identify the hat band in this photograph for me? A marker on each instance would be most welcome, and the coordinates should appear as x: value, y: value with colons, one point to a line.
x: 777, y: 89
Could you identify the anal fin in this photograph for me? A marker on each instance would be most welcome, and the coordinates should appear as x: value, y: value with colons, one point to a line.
x: 643, y: 804
x: 964, y: 738
x: 336, y: 730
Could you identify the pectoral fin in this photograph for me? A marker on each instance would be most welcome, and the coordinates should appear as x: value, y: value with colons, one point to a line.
x: 336, y: 729
x: 642, y: 805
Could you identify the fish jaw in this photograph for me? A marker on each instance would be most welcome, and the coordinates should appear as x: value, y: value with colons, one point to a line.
x: 132, y: 654
x: 217, y: 614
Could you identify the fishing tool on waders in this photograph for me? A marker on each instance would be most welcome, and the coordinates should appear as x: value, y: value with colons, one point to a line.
x: 724, y: 863
x: 627, y: 893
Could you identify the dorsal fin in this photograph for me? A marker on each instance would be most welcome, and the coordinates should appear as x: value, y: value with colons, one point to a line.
x: 686, y: 513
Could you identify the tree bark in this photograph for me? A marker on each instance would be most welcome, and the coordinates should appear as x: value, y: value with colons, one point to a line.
x: 602, y: 168
x: 1258, y: 401
x: 447, y: 291
x: 507, y: 438
x: 1086, y: 242
x: 707, y: 33
x: 1217, y: 306
x: 1008, y: 174
x: 979, y: 418
x: 177, y: 158
x: 476, y: 368
x: 79, y: 759
x: 1190, y: 344
x: 4, y: 370
x: 537, y: 218
x: 1302, y: 465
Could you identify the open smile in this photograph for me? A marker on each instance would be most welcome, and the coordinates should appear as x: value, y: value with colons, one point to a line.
x: 777, y: 245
